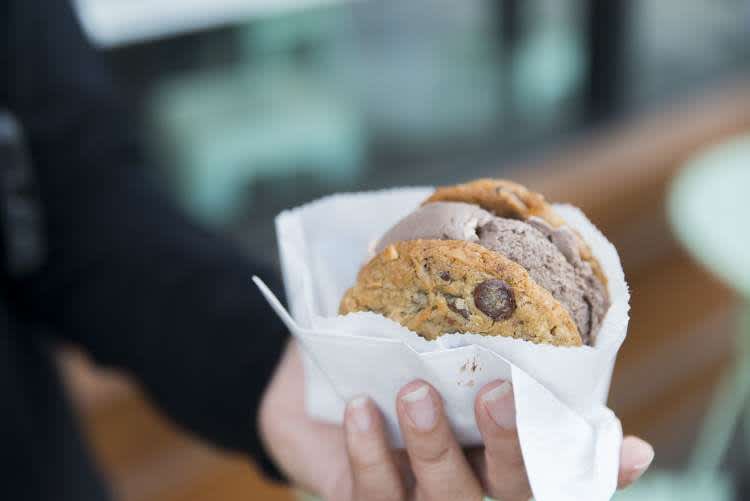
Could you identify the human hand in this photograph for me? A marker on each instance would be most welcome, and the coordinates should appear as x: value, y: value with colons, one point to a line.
x: 354, y: 462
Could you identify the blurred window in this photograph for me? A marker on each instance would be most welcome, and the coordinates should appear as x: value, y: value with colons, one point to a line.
x: 249, y: 107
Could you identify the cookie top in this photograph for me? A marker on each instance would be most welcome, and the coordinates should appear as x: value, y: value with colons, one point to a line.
x: 511, y: 200
x: 435, y: 287
x: 502, y: 197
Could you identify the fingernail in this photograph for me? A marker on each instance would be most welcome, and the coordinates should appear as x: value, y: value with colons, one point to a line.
x: 637, y: 458
x: 500, y: 405
x: 359, y: 415
x: 420, y: 408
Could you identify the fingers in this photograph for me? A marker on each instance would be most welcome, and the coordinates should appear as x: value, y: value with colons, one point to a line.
x: 375, y: 474
x: 501, y: 467
x: 439, y: 465
x: 636, y: 456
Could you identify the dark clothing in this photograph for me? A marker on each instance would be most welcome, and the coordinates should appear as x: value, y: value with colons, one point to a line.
x: 126, y: 277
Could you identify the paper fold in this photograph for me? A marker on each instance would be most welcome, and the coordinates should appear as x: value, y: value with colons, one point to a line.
x: 570, y: 441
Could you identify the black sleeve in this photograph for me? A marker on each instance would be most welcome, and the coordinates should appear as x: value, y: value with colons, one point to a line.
x: 127, y: 276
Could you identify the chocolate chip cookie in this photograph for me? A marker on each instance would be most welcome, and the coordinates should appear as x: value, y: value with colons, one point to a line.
x: 435, y: 287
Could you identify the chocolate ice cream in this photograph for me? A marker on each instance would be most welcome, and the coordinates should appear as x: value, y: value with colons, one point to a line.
x: 550, y: 255
x: 438, y: 221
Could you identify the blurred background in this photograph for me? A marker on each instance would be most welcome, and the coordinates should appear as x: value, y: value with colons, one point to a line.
x: 248, y: 107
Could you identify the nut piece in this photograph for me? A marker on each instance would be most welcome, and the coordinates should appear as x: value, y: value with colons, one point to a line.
x: 458, y: 305
x: 391, y: 253
x: 495, y: 299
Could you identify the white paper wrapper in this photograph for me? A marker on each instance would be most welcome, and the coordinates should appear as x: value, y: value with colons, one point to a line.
x: 569, y: 439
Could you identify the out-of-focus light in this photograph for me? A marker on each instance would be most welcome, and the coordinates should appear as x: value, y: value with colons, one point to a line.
x: 708, y: 205
x: 110, y: 23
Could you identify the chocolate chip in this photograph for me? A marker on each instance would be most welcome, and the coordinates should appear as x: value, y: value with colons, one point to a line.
x: 445, y: 275
x: 495, y: 299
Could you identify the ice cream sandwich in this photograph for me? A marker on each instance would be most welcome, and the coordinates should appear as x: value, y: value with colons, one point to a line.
x: 487, y: 257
